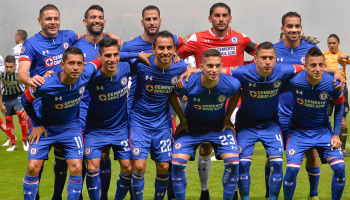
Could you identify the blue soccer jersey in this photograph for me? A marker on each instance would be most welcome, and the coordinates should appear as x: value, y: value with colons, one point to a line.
x: 290, y: 56
x: 46, y: 53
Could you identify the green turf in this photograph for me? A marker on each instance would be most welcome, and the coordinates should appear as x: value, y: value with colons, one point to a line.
x: 14, y: 166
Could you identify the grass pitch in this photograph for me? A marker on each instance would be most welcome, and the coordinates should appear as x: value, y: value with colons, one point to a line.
x: 14, y: 165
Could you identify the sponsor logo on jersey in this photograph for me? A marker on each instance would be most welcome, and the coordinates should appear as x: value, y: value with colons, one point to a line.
x: 65, y: 45
x: 113, y: 95
x: 227, y: 51
x: 82, y: 89
x: 136, y: 151
x: 277, y: 84
x: 221, y: 98
x: 149, y: 88
x: 49, y: 62
x: 324, y: 96
x: 209, y: 107
x: 302, y: 60
x: 178, y: 146
x: 234, y: 39
x: 234, y: 68
x: 88, y: 151
x: 68, y: 104
x: 23, y: 49
x: 263, y: 94
x: 340, y: 66
x: 253, y: 93
x: 240, y: 149
x: 174, y: 80
x: 291, y: 152
x: 161, y: 89
x: 300, y: 101
x: 279, y: 59
x: 59, y: 106
x: 311, y: 103
x: 33, y: 151
x: 198, y: 107
x: 102, y: 97
x: 124, y: 81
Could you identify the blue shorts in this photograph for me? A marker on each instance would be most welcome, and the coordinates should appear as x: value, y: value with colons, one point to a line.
x: 70, y: 138
x: 12, y: 104
x: 299, y: 141
x: 95, y: 141
x: 156, y: 142
x: 269, y: 134
x: 284, y: 121
x: 222, y: 142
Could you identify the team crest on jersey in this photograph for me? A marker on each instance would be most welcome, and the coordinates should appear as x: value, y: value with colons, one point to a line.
x: 240, y: 149
x: 277, y: 84
x: 340, y: 66
x: 234, y: 39
x: 300, y: 101
x: 234, y: 68
x: 174, y: 80
x: 102, y: 97
x: 150, y: 88
x: 33, y: 151
x: 178, y: 146
x: 82, y: 89
x: 198, y: 107
x: 124, y: 81
x: 221, y: 98
x: 324, y: 96
x: 23, y: 49
x: 302, y: 60
x: 65, y: 45
x: 59, y: 106
x: 136, y: 151
x: 49, y: 62
x: 88, y: 151
x: 291, y: 152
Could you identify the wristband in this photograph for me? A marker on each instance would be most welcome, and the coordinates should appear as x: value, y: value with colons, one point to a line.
x: 347, y: 57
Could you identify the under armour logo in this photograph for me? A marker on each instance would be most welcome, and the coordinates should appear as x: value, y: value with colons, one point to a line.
x: 160, y: 194
x: 95, y: 188
x: 279, y: 59
x: 80, y: 152
x: 137, y: 193
x: 45, y: 52
x: 288, y: 184
x: 58, y: 98
x: 340, y: 179
x: 206, y: 40
x: 246, y: 178
x: 99, y: 88
x: 299, y: 92
x: 29, y: 193
x: 199, y: 100
x: 176, y: 179
x: 252, y: 84
x: 280, y: 179
x: 149, y: 78
x: 76, y: 191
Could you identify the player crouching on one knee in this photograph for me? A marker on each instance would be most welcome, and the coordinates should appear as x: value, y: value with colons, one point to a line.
x: 309, y: 125
x: 206, y: 120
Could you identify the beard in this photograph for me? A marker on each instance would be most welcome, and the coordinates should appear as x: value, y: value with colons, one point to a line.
x: 151, y: 33
x: 91, y: 30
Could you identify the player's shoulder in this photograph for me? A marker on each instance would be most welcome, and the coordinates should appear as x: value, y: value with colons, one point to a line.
x: 128, y: 45
x: 229, y: 80
x: 237, y: 34
x: 306, y: 45
x: 279, y: 45
x: 80, y: 42
x: 326, y: 52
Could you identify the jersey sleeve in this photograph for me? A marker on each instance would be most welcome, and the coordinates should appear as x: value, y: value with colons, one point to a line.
x: 181, y: 91
x: 236, y: 85
x: 91, y: 68
x: 134, y: 66
x: 338, y: 96
x: 178, y: 41
x: 73, y: 36
x: 124, y: 56
x: 27, y: 52
x: 250, y: 46
x: 190, y: 47
x: 27, y: 99
x: 292, y: 69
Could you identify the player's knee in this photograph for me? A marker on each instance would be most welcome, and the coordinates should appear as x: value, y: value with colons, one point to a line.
x: 311, y: 155
x: 205, y: 150
x: 162, y: 167
x: 126, y: 168
x: 33, y: 169
x: 76, y: 168
x: 139, y: 167
x: 92, y: 166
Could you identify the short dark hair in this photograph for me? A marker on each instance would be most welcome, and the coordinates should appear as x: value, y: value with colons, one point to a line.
x: 93, y: 7
x: 72, y: 51
x: 22, y: 34
x: 107, y: 42
x: 290, y: 14
x: 313, y: 52
x: 48, y: 7
x: 163, y: 34
x: 220, y: 4
x: 264, y: 45
x: 150, y: 7
x: 10, y: 59
x: 281, y: 36
x: 333, y: 36
x: 211, y: 53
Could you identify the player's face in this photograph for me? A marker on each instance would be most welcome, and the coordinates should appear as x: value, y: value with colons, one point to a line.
x: 10, y: 68
x: 95, y: 22
x: 50, y: 22
x: 211, y: 67
x: 292, y: 28
x: 151, y: 22
x: 17, y: 38
x: 73, y: 66
x: 265, y: 61
x: 220, y: 19
x: 109, y: 58
x: 164, y: 50
x: 315, y: 67
x: 333, y: 45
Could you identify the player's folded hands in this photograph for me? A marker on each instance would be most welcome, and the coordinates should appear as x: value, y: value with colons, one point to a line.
x: 36, y: 134
x: 336, y: 143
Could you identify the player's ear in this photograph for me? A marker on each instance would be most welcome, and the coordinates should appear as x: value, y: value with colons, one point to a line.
x: 62, y: 64
x: 39, y: 21
x: 230, y: 18
x: 142, y: 22
x: 209, y: 19
x: 282, y: 31
x: 84, y: 22
x: 160, y: 21
x: 153, y: 49
x: 255, y: 58
x: 99, y: 56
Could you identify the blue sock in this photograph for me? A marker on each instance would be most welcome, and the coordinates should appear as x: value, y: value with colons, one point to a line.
x: 338, y: 180
x: 244, y: 178
x: 314, y: 179
x: 170, y: 190
x: 105, y: 176
x: 83, y: 174
x: 37, y: 197
x: 123, y: 186
x: 161, y: 185
x: 179, y: 177
x: 290, y: 180
x: 93, y: 184
x: 267, y: 176
x: 137, y: 184
x: 230, y: 177
x: 276, y: 177
x: 60, y: 170
x: 30, y: 187
x: 74, y: 186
